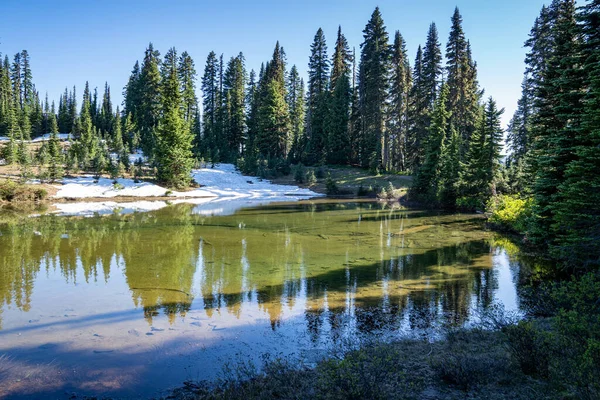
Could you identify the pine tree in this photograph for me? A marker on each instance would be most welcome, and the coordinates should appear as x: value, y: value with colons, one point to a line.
x: 338, y: 118
x: 482, y: 160
x: 462, y: 80
x: 64, y: 125
x: 273, y: 114
x: 317, y: 100
x: 578, y: 213
x: 106, y: 113
x: 400, y: 88
x: 373, y: 87
x: 150, y: 102
x: 557, y: 122
x: 427, y: 179
x: 131, y: 92
x: 295, y: 100
x: 15, y: 77
x: 55, y: 167
x: 52, y: 124
x: 28, y: 89
x: 72, y: 108
x: 519, y: 128
x: 449, y: 171
x: 432, y: 66
x: 234, y: 84
x: 418, y: 116
x: 174, y: 140
x: 210, y: 102
x: 187, y: 78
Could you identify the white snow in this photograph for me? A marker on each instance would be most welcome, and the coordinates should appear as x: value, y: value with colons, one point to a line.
x: 221, y: 181
x: 224, y: 190
x: 43, y: 138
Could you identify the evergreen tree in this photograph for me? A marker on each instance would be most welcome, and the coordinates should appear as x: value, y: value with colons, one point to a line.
x: 557, y: 122
x: 432, y: 66
x: 17, y: 84
x: 462, y: 80
x: 27, y: 88
x: 210, y: 102
x: 174, y: 140
x: 64, y: 124
x: 187, y: 78
x: 373, y: 88
x: 149, y: 106
x: 295, y: 100
x: 317, y: 99
x: 72, y: 108
x: 578, y: 213
x: 427, y: 180
x: 449, y: 171
x: 400, y: 88
x: 519, y: 128
x: 106, y: 113
x: 418, y: 116
x: 55, y: 167
x: 338, y: 118
x: 131, y: 93
x: 234, y: 84
x: 273, y: 114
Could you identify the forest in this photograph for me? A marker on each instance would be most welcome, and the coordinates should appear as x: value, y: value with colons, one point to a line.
x: 376, y: 108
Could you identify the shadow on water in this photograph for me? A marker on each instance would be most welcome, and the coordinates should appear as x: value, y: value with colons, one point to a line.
x: 183, y: 293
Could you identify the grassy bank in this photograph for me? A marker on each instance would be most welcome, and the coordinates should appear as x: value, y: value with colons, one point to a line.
x: 15, y: 192
x: 345, y: 181
x: 554, y: 353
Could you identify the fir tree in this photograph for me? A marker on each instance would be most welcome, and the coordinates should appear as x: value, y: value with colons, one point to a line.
x: 317, y: 100
x: 373, y: 87
x: 338, y: 118
x: 174, y: 141
x: 400, y: 88
x: 296, y: 105
x: 210, y: 102
x: 235, y: 94
x: 578, y: 213
x: 150, y: 103
x: 427, y: 179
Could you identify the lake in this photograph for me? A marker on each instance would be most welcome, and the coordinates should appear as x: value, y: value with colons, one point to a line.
x: 134, y: 304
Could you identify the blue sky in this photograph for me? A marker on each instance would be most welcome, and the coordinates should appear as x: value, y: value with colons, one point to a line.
x: 74, y: 41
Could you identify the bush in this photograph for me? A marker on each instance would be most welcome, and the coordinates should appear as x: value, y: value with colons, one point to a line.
x: 530, y: 346
x: 320, y: 174
x: 299, y: 174
x: 310, y: 177
x: 13, y: 191
x: 331, y: 186
x: 510, y: 212
x: 468, y: 203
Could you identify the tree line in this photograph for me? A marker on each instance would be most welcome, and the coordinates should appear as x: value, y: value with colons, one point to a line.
x: 554, y: 135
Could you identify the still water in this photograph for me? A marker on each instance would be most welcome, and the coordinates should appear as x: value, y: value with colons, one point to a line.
x: 133, y: 305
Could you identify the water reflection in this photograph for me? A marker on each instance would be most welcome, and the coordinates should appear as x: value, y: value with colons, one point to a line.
x: 332, y: 258
x: 320, y: 272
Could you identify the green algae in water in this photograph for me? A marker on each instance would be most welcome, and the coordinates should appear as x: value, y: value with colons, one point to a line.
x: 310, y: 273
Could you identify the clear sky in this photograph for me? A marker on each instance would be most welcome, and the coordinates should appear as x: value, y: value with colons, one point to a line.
x: 71, y: 41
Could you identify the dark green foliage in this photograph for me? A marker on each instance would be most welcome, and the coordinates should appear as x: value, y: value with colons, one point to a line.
x: 427, y: 179
x: 338, y: 118
x: 398, y: 120
x: 373, y: 87
x: 297, y: 107
x: 173, y: 138
x: 148, y: 110
x: 317, y: 101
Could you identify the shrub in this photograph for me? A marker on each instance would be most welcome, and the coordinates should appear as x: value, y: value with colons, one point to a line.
x: 310, y: 177
x: 530, y: 346
x: 510, y: 212
x: 468, y: 203
x: 299, y: 174
x: 331, y: 186
x: 320, y: 173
